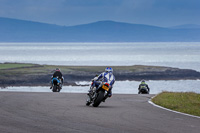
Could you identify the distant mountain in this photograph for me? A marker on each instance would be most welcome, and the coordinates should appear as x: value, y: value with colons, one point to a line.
x: 13, y: 30
x: 186, y: 26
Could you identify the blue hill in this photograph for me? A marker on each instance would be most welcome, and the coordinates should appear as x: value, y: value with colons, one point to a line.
x: 186, y: 26
x: 13, y: 30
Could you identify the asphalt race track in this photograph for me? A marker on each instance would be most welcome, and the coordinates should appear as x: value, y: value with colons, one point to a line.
x: 23, y: 112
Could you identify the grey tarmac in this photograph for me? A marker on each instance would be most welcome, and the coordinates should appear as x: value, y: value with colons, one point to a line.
x: 41, y: 112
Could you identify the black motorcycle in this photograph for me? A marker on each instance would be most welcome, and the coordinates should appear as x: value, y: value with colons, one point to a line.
x: 143, y: 90
x: 57, y: 84
x: 96, y: 96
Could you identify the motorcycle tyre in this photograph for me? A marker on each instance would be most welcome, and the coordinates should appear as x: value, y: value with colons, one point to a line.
x: 99, y: 99
x: 54, y: 88
x: 146, y: 92
x: 58, y: 90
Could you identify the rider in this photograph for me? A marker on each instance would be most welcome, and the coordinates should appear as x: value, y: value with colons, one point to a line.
x: 107, y: 77
x: 143, y: 85
x: 58, y: 74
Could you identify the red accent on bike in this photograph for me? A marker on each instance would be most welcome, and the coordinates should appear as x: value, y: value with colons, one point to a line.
x: 107, y: 84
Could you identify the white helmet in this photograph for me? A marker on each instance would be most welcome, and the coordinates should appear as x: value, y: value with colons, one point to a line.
x: 109, y: 69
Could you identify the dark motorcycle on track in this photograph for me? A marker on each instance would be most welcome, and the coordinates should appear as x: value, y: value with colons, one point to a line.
x: 57, y: 84
x: 96, y: 96
x: 143, y: 90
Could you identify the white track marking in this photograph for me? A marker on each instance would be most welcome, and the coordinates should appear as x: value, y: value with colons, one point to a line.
x: 170, y: 109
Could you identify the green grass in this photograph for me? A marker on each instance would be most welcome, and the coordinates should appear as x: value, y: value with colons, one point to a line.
x: 46, y: 68
x: 187, y: 102
x: 14, y: 65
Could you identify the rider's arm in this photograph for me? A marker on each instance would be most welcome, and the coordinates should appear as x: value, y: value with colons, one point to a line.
x: 112, y: 82
x: 139, y: 87
x: 53, y: 75
x: 100, y: 76
x: 95, y: 78
x: 147, y: 87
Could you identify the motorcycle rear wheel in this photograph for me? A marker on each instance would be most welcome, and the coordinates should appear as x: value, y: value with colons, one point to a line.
x: 99, y: 98
x: 54, y: 88
x: 58, y: 89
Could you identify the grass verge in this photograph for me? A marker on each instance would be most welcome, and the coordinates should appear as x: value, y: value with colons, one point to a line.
x: 187, y: 102
x: 14, y: 65
x: 20, y: 68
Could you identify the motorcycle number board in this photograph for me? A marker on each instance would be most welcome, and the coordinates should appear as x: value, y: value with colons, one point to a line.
x: 105, y: 87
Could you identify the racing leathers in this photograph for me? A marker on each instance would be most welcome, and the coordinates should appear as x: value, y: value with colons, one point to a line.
x: 106, y: 77
x: 57, y: 74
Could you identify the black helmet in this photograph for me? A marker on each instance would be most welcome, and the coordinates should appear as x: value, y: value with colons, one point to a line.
x: 57, y: 69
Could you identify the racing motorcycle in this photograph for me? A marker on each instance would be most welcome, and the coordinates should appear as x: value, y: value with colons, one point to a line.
x: 96, y: 96
x: 57, y: 84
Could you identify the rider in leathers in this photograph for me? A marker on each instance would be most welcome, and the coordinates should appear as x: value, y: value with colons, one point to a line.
x: 143, y: 85
x: 107, y: 77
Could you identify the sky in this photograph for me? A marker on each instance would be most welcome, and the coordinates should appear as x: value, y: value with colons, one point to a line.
x: 164, y: 13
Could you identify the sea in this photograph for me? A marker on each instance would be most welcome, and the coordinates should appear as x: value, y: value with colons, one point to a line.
x: 185, y: 55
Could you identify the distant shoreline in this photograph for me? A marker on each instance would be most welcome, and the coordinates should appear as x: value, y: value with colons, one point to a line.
x: 20, y: 74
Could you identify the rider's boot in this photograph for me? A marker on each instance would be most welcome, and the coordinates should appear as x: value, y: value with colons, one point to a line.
x: 105, y: 98
x: 90, y: 90
x: 51, y: 85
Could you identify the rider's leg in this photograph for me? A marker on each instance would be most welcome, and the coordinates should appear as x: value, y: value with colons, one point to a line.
x: 109, y: 94
x: 94, y: 84
x: 51, y: 85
